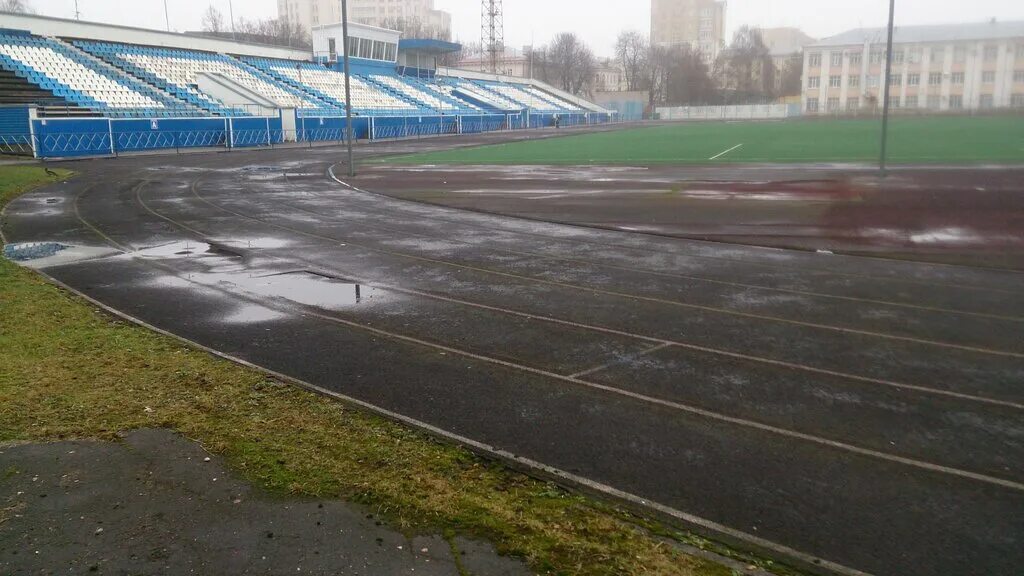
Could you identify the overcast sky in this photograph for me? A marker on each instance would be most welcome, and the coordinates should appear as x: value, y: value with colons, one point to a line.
x: 539, y: 20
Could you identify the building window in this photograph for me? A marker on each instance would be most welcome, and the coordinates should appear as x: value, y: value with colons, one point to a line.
x: 898, y: 57
x: 1018, y: 77
x: 987, y: 102
x: 894, y: 102
x: 814, y: 59
x: 872, y: 81
x: 913, y: 79
x: 911, y: 102
x: 832, y: 105
x: 877, y: 56
x: 935, y: 79
x: 991, y: 53
x: 812, y: 104
x: 915, y: 55
x: 1017, y: 100
x: 835, y: 81
x: 988, y: 77
x: 934, y: 102
x: 856, y: 59
x: 853, y: 81
x: 814, y: 82
x: 957, y: 78
x: 837, y: 59
x: 852, y: 103
x: 956, y: 102
x: 896, y: 80
x: 938, y: 55
x: 1020, y: 50
x: 960, y: 54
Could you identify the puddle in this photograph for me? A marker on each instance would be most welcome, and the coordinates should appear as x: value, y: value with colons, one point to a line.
x: 32, y: 251
x: 312, y: 290
x: 263, y: 242
x: 252, y: 313
x: 184, y: 249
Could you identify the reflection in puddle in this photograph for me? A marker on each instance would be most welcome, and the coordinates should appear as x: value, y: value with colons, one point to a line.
x: 310, y: 289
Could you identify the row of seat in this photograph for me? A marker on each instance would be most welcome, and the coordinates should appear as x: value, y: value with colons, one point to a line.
x: 71, y: 76
x: 127, y: 80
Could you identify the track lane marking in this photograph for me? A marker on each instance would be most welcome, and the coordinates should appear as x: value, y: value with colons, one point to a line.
x: 659, y: 342
x: 678, y: 406
x: 720, y: 154
x: 543, y: 256
x: 711, y: 309
x: 770, y: 266
x: 480, y: 447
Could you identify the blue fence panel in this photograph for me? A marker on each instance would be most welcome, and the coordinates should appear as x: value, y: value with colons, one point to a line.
x: 71, y: 138
x: 165, y: 133
x: 329, y: 129
x: 406, y: 126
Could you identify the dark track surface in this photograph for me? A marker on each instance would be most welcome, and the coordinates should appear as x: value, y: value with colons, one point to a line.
x: 864, y: 411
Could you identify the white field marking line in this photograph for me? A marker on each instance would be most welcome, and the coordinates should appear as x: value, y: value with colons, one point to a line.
x: 643, y: 398
x: 676, y: 303
x: 541, y: 256
x: 566, y: 195
x: 771, y: 266
x: 627, y: 358
x: 720, y: 154
x: 476, y: 445
x: 659, y: 342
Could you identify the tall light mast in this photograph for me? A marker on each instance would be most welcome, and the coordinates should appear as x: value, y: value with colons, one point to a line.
x: 492, y: 34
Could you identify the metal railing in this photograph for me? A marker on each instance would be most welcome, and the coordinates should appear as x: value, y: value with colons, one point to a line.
x: 76, y: 144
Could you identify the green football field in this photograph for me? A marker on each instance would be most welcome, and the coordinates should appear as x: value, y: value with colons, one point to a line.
x: 935, y: 140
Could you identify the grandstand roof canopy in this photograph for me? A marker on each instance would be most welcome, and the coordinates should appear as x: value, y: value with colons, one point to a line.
x: 428, y: 46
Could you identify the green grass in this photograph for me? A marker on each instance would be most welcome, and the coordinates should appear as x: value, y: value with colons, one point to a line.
x: 912, y: 140
x: 69, y: 371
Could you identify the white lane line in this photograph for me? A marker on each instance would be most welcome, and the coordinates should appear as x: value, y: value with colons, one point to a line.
x: 719, y: 155
x: 625, y: 360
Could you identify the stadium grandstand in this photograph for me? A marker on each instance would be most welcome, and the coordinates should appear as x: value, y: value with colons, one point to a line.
x: 72, y: 89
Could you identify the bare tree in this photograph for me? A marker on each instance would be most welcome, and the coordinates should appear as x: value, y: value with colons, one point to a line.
x: 746, y: 66
x: 415, y: 28
x: 279, y: 31
x: 633, y: 53
x: 678, y: 75
x: 792, y: 76
x: 213, y: 20
x: 17, y: 6
x: 569, y: 64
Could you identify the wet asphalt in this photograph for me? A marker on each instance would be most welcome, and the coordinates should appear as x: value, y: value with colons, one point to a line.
x: 863, y: 411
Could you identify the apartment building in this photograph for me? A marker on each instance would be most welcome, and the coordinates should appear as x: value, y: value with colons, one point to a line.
x: 310, y: 13
x: 387, y: 13
x: 941, y: 68
x: 698, y: 23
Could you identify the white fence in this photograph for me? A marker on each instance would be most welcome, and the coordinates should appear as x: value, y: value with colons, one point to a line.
x: 746, y: 112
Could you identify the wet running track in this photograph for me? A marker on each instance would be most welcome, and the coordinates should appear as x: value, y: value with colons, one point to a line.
x: 864, y: 412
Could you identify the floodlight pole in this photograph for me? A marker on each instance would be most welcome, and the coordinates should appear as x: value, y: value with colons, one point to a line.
x: 231, y: 12
x: 167, y: 16
x: 886, y: 89
x: 348, y: 88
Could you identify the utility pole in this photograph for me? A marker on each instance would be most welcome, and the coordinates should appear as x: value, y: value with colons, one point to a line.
x: 167, y: 16
x: 348, y: 88
x: 231, y: 11
x: 78, y: 14
x: 887, y: 88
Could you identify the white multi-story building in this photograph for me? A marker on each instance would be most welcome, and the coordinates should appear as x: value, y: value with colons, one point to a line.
x: 311, y: 13
x: 388, y: 13
x: 697, y: 23
x: 953, y: 67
